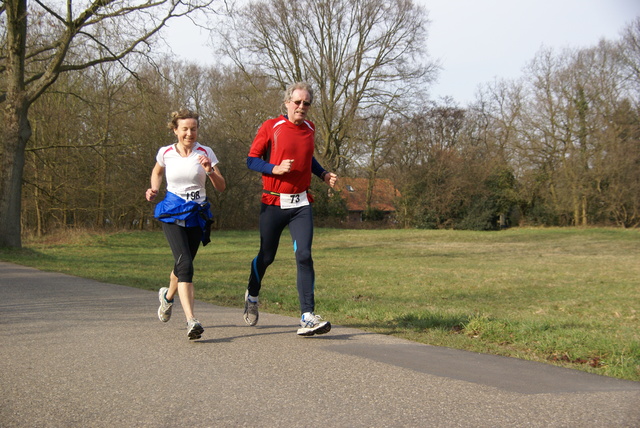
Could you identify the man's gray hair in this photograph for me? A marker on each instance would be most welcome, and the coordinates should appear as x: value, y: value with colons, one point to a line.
x: 295, y: 86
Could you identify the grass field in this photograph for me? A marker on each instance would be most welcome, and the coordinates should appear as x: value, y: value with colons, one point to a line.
x: 562, y: 296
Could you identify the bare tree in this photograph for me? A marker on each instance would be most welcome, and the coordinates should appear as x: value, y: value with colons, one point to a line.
x: 629, y: 55
x: 357, y: 53
x: 235, y: 111
x: 41, y: 41
x: 373, y: 145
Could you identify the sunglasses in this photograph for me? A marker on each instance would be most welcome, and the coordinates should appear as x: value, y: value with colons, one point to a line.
x: 304, y: 103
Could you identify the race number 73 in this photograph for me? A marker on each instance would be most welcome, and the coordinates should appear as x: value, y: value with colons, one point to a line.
x: 293, y: 200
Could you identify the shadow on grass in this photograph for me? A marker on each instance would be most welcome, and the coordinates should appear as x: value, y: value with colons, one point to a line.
x: 430, y: 320
x: 7, y: 254
x: 419, y: 322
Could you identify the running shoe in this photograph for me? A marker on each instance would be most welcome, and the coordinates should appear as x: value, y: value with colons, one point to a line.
x: 311, y: 324
x: 194, y: 329
x: 164, y: 311
x: 250, y: 310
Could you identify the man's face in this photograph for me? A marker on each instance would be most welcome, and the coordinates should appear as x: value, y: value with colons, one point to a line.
x: 298, y: 106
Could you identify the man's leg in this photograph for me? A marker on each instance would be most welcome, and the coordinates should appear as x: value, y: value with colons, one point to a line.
x: 273, y: 220
x: 301, y: 229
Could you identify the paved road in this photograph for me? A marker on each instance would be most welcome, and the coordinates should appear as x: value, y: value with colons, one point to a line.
x: 80, y: 353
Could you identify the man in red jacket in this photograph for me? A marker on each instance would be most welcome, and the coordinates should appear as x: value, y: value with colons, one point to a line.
x: 283, y: 152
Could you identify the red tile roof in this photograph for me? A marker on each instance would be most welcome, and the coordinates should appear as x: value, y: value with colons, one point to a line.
x: 354, y: 191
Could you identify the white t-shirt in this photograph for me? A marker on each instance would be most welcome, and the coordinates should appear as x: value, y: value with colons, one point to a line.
x: 185, y: 176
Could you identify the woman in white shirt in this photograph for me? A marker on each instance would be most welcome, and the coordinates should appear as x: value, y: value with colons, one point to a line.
x: 185, y: 213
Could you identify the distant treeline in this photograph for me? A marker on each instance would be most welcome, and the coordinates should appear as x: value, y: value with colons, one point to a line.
x: 559, y: 146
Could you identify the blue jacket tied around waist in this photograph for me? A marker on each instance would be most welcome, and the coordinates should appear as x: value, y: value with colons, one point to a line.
x: 173, y: 208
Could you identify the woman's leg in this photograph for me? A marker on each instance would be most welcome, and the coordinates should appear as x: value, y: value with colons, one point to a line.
x: 184, y: 243
x: 185, y: 291
x: 173, y: 286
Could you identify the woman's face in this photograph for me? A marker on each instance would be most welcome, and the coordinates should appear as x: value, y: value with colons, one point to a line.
x: 187, y: 131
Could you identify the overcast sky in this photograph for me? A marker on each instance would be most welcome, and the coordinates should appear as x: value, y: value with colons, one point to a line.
x: 477, y: 41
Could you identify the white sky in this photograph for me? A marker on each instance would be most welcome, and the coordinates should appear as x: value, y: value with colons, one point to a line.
x: 477, y: 41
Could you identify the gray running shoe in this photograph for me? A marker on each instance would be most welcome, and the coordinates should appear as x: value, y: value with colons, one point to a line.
x: 194, y: 329
x: 164, y: 311
x: 311, y: 324
x: 250, y: 310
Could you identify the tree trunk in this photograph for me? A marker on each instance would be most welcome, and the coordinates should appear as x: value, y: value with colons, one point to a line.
x: 36, y: 202
x: 15, y: 130
x: 371, y: 182
x: 15, y: 133
x: 576, y: 209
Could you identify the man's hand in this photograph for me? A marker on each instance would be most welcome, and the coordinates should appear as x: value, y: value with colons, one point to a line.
x: 283, y: 168
x: 330, y: 178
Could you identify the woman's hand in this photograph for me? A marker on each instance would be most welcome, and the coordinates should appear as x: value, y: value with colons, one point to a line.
x: 151, y: 194
x: 206, y: 163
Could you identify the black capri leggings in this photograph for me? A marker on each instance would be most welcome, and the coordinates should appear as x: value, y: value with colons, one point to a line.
x: 273, y: 220
x: 184, y: 243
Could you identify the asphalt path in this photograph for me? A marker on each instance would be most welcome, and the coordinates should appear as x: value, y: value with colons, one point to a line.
x: 81, y: 353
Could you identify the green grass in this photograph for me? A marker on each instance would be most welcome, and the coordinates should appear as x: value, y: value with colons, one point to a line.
x: 563, y: 296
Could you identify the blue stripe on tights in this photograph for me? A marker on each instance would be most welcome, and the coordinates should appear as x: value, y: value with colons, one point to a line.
x: 255, y: 269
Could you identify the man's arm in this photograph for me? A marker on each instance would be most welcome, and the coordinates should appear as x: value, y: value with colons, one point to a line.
x: 316, y: 168
x: 259, y: 165
x: 326, y: 176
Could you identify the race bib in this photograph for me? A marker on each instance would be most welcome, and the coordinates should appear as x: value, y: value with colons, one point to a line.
x: 293, y: 200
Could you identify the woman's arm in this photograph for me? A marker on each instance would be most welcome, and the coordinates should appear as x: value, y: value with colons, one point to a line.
x: 156, y: 181
x: 218, y: 181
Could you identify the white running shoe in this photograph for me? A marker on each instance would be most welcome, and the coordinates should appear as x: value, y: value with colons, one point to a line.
x: 311, y: 324
x: 194, y: 329
x: 250, y: 310
x: 164, y: 311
